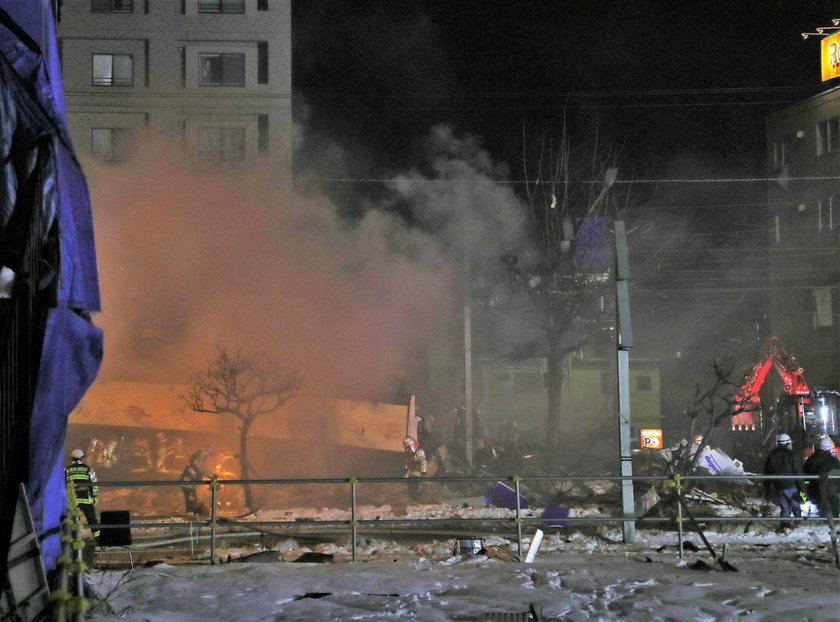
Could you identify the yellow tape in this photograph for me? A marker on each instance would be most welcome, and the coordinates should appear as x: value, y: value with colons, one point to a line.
x: 78, y: 604
x: 60, y: 595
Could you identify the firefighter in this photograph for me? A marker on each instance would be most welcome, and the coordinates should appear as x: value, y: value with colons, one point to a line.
x: 786, y: 492
x: 195, y: 470
x: 823, y: 460
x: 83, y: 479
x: 415, y: 465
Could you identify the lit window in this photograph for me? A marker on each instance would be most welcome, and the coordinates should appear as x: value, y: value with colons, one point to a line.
x: 829, y: 135
x: 109, y: 143
x: 823, y: 316
x: 112, y: 6
x: 221, y: 143
x: 113, y: 70
x: 221, y: 6
x: 221, y: 69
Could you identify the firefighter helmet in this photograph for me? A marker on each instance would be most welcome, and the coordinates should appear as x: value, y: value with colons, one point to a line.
x: 411, y: 443
x: 77, y: 454
x: 783, y: 439
x: 826, y: 443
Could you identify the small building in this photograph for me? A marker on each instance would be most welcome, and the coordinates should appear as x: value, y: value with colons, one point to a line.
x: 516, y: 391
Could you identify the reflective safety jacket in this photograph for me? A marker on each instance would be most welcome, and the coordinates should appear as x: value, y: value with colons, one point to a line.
x: 83, y: 479
x: 415, y: 464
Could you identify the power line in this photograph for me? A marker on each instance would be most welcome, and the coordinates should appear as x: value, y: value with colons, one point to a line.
x: 749, y: 90
x: 721, y: 290
x: 485, y: 182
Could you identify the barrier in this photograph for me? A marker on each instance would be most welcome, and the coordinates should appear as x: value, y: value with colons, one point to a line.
x: 218, y: 527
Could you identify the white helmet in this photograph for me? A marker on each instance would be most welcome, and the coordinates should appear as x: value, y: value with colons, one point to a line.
x: 77, y: 454
x: 826, y: 443
x: 783, y: 439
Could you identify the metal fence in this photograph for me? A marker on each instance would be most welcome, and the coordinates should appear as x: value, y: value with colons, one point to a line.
x: 674, y: 490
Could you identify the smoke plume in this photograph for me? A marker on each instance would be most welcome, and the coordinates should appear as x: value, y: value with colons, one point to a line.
x: 190, y: 255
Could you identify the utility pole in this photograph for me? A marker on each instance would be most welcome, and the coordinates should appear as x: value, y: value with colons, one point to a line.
x: 624, y: 341
x: 468, y: 409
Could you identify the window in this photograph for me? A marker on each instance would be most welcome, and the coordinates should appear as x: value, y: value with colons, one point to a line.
x: 221, y: 69
x: 527, y: 383
x: 262, y: 62
x: 221, y: 6
x: 113, y: 70
x: 262, y: 133
x: 111, y: 6
x: 221, y: 143
x: 110, y: 143
x: 643, y: 383
x: 823, y: 316
x: 781, y: 151
x: 828, y: 132
x: 262, y: 5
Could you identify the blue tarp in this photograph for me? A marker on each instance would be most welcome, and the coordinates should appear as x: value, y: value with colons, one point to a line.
x: 33, y: 120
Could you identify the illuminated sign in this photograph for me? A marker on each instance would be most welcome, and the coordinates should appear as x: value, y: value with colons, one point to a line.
x: 830, y: 56
x: 650, y: 438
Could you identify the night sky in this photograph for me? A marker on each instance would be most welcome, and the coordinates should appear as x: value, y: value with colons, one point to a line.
x: 684, y: 87
x: 664, y: 77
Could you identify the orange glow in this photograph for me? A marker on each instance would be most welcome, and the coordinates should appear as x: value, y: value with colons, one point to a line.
x: 191, y: 255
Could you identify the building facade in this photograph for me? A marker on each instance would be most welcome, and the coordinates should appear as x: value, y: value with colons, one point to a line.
x: 214, y: 74
x: 803, y: 195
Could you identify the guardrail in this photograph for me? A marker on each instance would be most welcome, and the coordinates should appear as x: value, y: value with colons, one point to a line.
x: 674, y: 486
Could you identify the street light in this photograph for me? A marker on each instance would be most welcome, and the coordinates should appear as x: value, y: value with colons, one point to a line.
x: 821, y: 30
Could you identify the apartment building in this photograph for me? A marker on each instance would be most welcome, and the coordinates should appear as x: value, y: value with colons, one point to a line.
x: 215, y: 74
x: 803, y: 195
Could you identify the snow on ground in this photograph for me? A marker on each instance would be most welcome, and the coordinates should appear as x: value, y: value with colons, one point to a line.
x: 575, y: 576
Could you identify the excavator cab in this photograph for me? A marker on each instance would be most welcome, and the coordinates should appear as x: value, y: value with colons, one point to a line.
x: 803, y: 412
x: 807, y: 417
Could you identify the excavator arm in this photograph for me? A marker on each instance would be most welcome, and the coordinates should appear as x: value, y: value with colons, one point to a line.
x: 747, y: 400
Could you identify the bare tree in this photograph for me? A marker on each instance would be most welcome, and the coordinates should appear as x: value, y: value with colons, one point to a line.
x: 245, y: 384
x: 714, y: 403
x: 564, y: 273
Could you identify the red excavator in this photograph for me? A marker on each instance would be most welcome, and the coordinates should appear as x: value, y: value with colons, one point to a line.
x: 803, y: 412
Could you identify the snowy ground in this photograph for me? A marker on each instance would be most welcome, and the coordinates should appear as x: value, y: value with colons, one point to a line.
x: 573, y: 577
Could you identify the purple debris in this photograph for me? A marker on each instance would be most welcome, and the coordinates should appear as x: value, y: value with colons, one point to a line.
x: 556, y: 513
x: 503, y: 496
